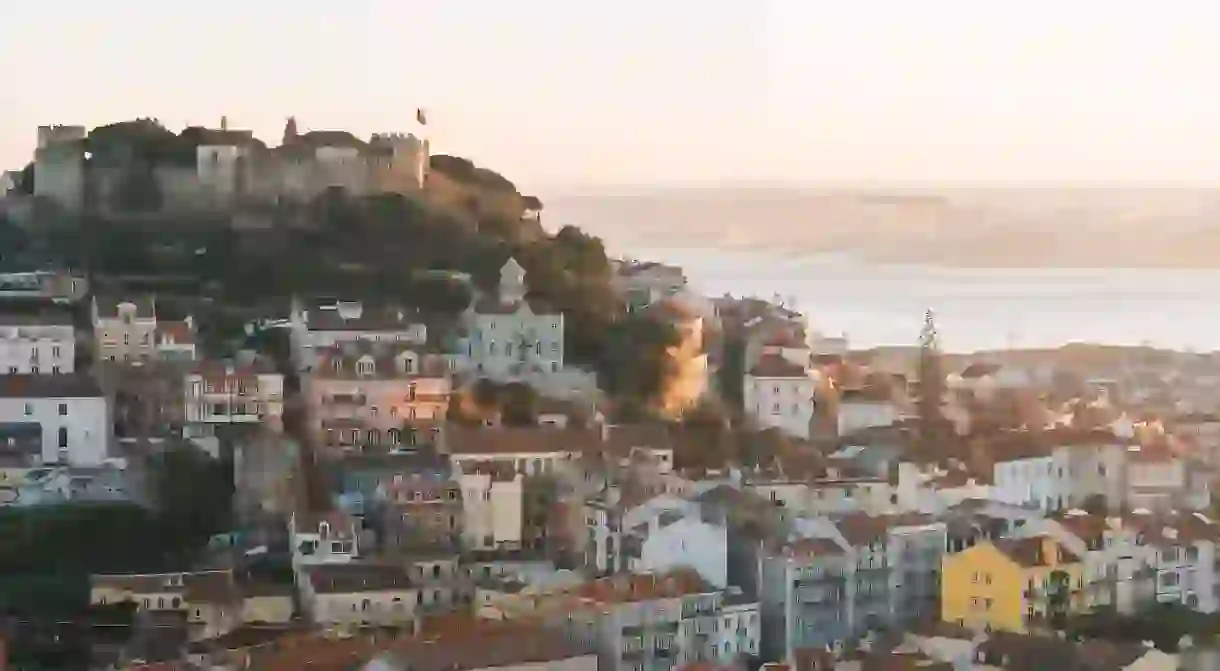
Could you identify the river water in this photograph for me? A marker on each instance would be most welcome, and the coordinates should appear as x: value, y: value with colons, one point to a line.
x: 976, y: 308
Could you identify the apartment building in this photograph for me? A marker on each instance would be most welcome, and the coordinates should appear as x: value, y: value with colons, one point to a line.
x: 325, y: 325
x: 1015, y: 585
x: 358, y: 594
x: 492, y: 497
x: 42, y: 344
x: 779, y: 393
x: 656, y: 621
x: 221, y: 393
x: 54, y: 419
x: 124, y: 330
x: 363, y: 395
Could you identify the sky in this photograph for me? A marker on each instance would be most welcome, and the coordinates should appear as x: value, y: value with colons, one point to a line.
x: 555, y: 93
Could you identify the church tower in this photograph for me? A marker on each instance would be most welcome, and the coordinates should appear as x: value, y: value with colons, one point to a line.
x: 290, y: 131
x: 512, y: 282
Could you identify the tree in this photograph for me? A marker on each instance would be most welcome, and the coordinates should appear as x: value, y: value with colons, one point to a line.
x: 518, y: 405
x: 1058, y: 598
x: 192, y: 494
x: 1096, y: 505
x: 25, y: 181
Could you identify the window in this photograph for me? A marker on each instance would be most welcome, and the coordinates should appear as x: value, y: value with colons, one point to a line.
x: 55, y: 351
x: 126, y: 338
x: 29, y: 409
x: 63, y: 409
x: 55, y: 370
x: 63, y: 437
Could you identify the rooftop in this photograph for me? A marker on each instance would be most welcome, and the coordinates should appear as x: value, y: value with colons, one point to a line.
x: 49, y: 386
x: 774, y: 365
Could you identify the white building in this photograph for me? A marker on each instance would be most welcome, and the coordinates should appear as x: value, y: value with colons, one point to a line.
x: 55, y: 419
x: 686, y: 541
x: 780, y: 394
x: 492, y: 505
x: 508, y: 338
x: 358, y: 594
x: 218, y: 392
x: 44, y: 345
x: 866, y: 408
x: 328, y: 538
x: 1029, y: 479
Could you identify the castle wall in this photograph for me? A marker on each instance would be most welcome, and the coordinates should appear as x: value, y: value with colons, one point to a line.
x: 59, y: 175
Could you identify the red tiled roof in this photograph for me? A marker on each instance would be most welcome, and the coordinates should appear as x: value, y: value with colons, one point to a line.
x: 774, y: 365
x: 180, y: 333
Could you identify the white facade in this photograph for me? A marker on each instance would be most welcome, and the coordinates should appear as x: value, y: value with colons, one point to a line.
x: 856, y: 415
x: 37, y: 349
x: 492, y: 515
x: 785, y: 403
x: 687, y: 542
x: 1031, y: 481
x: 326, y: 539
x: 509, y: 341
x: 74, y: 417
x: 228, y: 395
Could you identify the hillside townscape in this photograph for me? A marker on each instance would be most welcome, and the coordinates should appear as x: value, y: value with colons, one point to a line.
x: 340, y: 403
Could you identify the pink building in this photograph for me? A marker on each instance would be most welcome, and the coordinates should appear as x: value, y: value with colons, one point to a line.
x: 365, y: 395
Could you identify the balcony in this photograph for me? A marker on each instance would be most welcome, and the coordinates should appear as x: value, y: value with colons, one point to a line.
x: 347, y: 400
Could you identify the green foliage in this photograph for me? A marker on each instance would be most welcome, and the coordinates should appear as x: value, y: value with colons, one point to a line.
x: 13, y: 240
x: 25, y: 182
x: 192, y: 493
x: 139, y: 191
x: 464, y: 172
x: 519, y: 405
x: 633, y: 359
x: 1163, y: 624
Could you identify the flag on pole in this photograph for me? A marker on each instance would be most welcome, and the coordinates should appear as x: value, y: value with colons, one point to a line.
x: 421, y: 117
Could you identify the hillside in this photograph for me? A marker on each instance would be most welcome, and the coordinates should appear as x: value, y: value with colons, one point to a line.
x: 467, y: 219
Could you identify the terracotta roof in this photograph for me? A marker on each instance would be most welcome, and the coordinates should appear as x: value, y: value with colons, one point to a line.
x: 49, y: 386
x: 862, y: 529
x: 358, y: 577
x: 774, y: 365
x: 47, y: 317
x: 370, y: 319
x: 456, y: 644
x: 633, y: 587
x: 902, y: 661
x: 108, y: 306
x: 388, y: 361
x: 1028, y: 551
x: 869, y: 394
x: 519, y: 440
x: 1037, y: 653
x: 176, y: 332
x: 978, y: 369
x: 211, y: 587
x: 814, y: 547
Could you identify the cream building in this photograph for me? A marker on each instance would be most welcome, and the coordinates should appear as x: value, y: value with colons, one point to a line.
x: 510, y: 339
x: 41, y: 345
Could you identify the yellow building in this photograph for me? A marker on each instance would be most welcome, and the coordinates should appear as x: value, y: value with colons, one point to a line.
x: 1011, y: 585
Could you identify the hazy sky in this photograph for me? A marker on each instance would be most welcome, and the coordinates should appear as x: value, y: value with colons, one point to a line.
x: 561, y: 92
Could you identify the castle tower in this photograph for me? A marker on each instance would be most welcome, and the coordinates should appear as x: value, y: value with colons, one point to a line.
x: 290, y: 131
x: 512, y: 282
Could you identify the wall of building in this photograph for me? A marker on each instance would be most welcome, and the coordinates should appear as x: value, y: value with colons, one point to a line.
x: 41, y: 350
x: 85, y: 423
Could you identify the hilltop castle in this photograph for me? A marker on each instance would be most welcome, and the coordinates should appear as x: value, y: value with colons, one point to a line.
x: 206, y: 169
